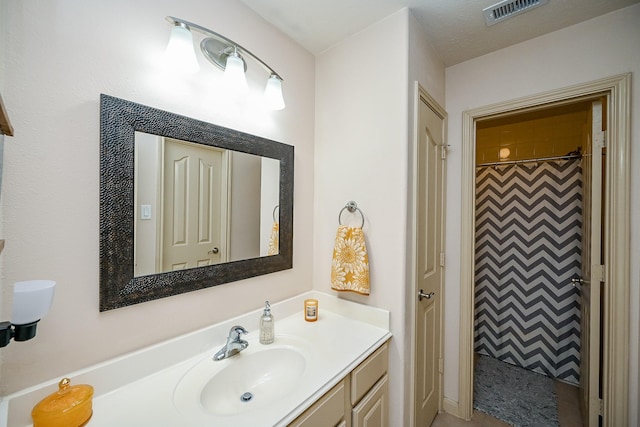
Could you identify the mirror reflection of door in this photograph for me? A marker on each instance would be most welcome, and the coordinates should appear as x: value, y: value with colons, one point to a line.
x: 194, y: 206
x: 243, y: 208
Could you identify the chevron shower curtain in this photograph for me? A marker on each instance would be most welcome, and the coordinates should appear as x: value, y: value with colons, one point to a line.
x: 528, y: 244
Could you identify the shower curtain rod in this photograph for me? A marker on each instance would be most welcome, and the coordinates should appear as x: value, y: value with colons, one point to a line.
x: 540, y: 159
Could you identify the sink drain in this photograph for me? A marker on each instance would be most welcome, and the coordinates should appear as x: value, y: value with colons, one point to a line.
x: 246, y: 397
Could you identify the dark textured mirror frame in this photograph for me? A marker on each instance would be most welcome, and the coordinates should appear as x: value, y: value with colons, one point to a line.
x: 119, y: 120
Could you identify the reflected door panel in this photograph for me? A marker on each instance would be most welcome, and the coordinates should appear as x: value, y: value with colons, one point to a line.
x: 193, y: 206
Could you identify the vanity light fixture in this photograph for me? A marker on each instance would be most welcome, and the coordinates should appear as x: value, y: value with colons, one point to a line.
x: 225, y: 54
x: 234, y: 76
x: 32, y: 300
x: 180, y: 54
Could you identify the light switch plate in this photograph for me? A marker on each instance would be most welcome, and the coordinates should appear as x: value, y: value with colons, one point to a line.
x: 145, y: 211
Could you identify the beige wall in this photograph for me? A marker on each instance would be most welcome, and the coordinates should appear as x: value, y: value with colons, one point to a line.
x: 602, y: 47
x: 61, y: 54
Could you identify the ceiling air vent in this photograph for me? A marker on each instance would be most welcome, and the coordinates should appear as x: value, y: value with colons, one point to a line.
x: 509, y: 8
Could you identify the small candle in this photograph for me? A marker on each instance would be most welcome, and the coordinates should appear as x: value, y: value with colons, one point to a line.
x: 311, y: 310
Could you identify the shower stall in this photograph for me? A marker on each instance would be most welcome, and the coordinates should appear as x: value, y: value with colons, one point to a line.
x: 528, y: 248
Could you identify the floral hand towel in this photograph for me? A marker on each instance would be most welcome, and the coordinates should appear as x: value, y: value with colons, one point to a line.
x: 350, y: 264
x: 274, y: 242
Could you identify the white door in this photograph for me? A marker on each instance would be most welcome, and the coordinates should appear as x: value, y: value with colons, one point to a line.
x: 431, y: 153
x: 592, y: 271
x: 193, y: 206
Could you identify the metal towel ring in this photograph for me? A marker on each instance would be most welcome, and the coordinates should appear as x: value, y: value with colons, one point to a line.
x: 351, y: 206
x: 274, y: 213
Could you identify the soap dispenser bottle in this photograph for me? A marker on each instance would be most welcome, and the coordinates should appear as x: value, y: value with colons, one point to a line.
x: 267, y: 334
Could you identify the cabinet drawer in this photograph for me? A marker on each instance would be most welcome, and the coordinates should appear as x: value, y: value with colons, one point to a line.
x: 329, y: 410
x: 368, y: 373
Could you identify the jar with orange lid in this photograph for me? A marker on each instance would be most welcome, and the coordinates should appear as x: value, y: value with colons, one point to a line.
x: 70, y: 406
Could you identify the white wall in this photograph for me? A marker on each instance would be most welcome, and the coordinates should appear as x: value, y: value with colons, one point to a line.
x: 269, y: 199
x: 60, y: 55
x: 245, y: 206
x: 2, y: 142
x: 602, y: 47
x: 147, y: 172
x: 361, y: 149
x: 364, y: 99
x: 426, y: 68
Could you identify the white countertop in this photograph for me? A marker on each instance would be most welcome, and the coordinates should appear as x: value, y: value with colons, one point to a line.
x: 138, y: 389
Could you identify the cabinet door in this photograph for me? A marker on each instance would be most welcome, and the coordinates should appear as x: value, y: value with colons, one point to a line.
x: 373, y: 409
x: 329, y: 411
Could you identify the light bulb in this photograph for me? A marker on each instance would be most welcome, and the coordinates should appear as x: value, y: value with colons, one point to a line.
x: 180, y: 54
x: 234, y: 77
x: 273, y: 93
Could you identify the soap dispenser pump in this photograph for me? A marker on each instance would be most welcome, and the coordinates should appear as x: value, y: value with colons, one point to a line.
x: 267, y: 334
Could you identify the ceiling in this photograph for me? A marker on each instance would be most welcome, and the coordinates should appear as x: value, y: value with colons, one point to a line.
x: 455, y: 28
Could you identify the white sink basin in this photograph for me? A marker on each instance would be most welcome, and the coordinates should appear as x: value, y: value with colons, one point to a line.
x: 249, y: 380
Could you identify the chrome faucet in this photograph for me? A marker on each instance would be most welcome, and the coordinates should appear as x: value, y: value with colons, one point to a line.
x: 234, y: 344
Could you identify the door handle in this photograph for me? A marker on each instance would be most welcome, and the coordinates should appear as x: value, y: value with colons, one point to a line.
x: 577, y: 281
x: 213, y: 251
x: 421, y: 295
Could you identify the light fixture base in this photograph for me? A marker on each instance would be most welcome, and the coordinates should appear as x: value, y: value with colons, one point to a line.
x: 5, y: 333
x: 25, y: 332
x: 217, y: 52
x: 17, y: 332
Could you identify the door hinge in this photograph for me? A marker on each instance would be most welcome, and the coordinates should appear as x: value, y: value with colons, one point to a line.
x: 598, y: 272
x: 600, y: 407
x: 600, y: 138
x: 441, y: 366
x: 443, y: 150
x: 441, y: 259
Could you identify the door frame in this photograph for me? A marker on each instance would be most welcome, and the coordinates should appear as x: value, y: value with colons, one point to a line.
x: 615, y: 338
x: 412, y: 288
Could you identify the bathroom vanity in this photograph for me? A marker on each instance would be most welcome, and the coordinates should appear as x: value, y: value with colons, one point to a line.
x: 359, y: 400
x: 329, y: 372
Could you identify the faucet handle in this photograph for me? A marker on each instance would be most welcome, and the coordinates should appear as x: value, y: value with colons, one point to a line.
x: 236, y: 331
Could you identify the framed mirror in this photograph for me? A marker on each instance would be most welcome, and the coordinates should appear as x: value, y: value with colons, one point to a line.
x: 151, y: 163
